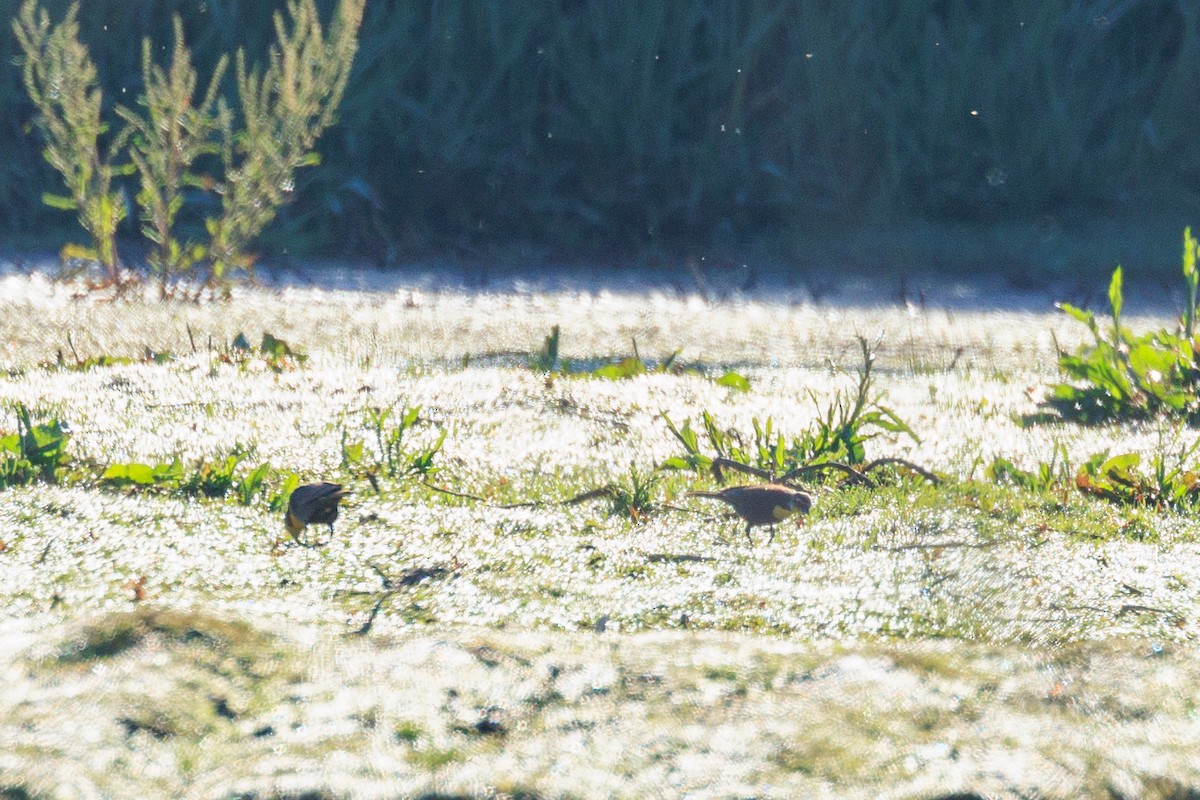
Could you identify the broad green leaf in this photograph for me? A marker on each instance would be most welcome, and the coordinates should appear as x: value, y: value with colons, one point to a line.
x: 733, y: 380
x: 1151, y: 364
x: 1084, y: 316
x: 353, y: 452
x: 1122, y: 464
x: 410, y: 417
x: 140, y: 474
x: 675, y: 462
x: 626, y: 368
x: 1115, y: 298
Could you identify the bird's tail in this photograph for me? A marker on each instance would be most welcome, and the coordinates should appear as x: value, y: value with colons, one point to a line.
x: 710, y: 495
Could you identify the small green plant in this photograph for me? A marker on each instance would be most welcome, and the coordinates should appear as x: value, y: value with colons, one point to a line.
x: 634, y: 498
x: 632, y: 366
x: 390, y: 457
x: 1170, y: 481
x: 839, y: 433
x: 1047, y: 476
x: 212, y: 479
x: 276, y: 354
x: 1121, y: 480
x: 34, y: 452
x: 78, y: 364
x: 1123, y: 375
x: 277, y: 498
x: 547, y: 360
x: 143, y: 476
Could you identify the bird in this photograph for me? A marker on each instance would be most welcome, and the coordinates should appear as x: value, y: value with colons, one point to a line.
x: 313, y: 504
x: 762, y: 504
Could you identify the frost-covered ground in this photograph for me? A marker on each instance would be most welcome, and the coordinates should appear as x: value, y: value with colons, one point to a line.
x: 912, y: 643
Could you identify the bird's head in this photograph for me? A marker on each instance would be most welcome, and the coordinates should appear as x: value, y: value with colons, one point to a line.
x: 293, y: 524
x: 800, y: 502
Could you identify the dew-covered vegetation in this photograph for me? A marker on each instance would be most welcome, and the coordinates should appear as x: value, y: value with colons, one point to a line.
x: 517, y: 601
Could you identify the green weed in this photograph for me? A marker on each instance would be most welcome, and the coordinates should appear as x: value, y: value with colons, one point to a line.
x: 1047, y: 476
x: 839, y: 433
x: 390, y: 457
x: 1166, y: 481
x: 217, y: 478
x: 34, y: 452
x: 548, y: 360
x: 166, y: 140
x: 633, y: 498
x: 276, y: 354
x: 1123, y: 375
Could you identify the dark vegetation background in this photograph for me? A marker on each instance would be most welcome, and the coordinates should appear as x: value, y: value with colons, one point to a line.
x: 1034, y: 137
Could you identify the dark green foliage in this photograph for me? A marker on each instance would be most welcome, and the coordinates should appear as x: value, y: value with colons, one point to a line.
x: 686, y: 125
x: 34, y: 452
x: 1129, y: 376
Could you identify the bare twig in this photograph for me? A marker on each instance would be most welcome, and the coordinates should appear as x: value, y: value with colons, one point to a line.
x: 677, y: 558
x: 71, y: 344
x: 1133, y: 608
x: 940, y: 546
x: 452, y: 493
x: 924, y: 473
x: 855, y: 476
x: 592, y: 494
x: 1093, y: 609
x: 720, y: 463
x: 698, y: 512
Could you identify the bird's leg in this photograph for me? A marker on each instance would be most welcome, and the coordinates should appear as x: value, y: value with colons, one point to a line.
x: 771, y: 528
x: 748, y: 536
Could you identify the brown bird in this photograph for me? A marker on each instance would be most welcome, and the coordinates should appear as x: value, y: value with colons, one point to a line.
x: 313, y: 504
x: 762, y: 504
